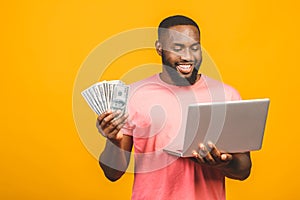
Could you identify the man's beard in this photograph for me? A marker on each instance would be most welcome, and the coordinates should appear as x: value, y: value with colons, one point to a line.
x: 175, y: 76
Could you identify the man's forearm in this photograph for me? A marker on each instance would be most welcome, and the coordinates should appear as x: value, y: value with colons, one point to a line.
x: 239, y: 167
x: 114, y: 161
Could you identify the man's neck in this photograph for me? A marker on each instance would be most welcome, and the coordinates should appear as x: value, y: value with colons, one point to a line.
x: 184, y: 82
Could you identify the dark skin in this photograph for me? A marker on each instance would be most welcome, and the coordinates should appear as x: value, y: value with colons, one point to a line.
x: 181, y: 56
x: 118, y: 146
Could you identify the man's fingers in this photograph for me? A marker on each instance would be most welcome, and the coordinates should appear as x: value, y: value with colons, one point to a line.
x: 116, y: 134
x: 103, y: 115
x: 210, y: 155
x: 113, y: 126
x: 198, y: 158
x: 102, y: 120
x: 206, y: 154
x: 116, y: 123
x: 121, y: 119
x: 216, y: 154
x: 107, y: 120
x: 226, y: 157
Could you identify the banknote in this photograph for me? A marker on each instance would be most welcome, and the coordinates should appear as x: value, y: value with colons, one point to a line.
x: 107, y: 95
x: 91, y: 102
x: 119, y: 98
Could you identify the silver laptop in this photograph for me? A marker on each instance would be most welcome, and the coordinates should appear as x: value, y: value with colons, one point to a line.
x: 234, y: 126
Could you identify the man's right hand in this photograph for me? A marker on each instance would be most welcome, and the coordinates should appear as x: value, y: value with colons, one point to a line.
x: 109, y: 126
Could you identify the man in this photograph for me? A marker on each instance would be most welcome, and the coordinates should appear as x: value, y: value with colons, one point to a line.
x: 157, y: 106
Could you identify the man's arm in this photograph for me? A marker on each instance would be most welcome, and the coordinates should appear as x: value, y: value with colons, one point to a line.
x: 115, y: 158
x: 235, y: 166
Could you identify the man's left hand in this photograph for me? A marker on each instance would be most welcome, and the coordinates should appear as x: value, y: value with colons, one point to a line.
x: 209, y: 155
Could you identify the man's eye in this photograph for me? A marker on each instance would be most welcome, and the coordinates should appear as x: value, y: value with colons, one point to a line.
x: 195, y: 47
x: 177, y: 49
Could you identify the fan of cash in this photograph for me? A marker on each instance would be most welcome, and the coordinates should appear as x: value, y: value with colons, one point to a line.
x: 107, y: 95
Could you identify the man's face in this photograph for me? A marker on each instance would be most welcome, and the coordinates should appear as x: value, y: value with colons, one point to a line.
x: 181, y: 53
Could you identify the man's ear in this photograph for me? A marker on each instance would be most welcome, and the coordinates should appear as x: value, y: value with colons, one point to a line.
x: 158, y: 47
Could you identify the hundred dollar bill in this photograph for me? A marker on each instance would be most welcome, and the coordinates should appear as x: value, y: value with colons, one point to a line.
x: 91, y: 102
x: 106, y: 95
x: 94, y: 97
x: 98, y: 88
x: 110, y: 86
x: 119, y: 98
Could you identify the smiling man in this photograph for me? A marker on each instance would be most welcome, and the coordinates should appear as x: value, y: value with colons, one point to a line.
x: 156, y: 110
x: 179, y: 47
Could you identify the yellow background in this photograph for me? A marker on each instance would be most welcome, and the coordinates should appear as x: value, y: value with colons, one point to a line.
x: 43, y: 44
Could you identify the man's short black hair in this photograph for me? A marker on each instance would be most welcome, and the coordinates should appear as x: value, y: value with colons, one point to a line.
x: 174, y: 21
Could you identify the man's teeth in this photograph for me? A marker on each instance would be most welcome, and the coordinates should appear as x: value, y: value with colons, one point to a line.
x: 184, y: 66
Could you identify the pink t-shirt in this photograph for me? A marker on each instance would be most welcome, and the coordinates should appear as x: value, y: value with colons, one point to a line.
x: 156, y: 114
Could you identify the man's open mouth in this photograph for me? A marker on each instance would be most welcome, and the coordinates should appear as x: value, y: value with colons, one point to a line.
x: 184, y: 68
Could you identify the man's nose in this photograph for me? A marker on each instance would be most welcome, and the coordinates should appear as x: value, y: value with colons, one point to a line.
x: 186, y: 55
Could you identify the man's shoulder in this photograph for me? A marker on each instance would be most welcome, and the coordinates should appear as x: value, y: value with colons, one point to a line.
x: 209, y: 81
x: 148, y: 80
x: 219, y: 85
x: 142, y: 89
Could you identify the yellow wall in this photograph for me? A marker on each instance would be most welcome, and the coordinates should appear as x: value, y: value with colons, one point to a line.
x: 254, y: 43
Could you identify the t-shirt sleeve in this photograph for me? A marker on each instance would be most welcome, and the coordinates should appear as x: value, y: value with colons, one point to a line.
x: 232, y: 94
x: 235, y: 95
